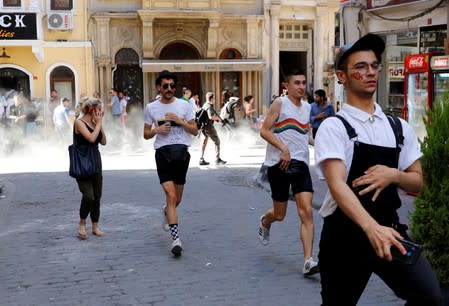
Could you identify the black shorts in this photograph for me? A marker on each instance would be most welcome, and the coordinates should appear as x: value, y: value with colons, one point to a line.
x: 297, y: 176
x: 172, y: 162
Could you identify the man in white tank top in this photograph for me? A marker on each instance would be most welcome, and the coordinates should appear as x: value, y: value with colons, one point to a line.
x: 286, y: 129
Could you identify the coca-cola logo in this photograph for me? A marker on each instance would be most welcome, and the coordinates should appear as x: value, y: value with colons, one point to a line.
x: 416, y: 62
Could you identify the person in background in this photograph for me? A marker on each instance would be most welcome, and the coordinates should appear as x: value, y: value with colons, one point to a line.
x: 248, y: 104
x: 194, y: 101
x: 114, y: 104
x: 365, y: 158
x: 186, y: 95
x: 17, y: 114
x: 171, y: 121
x: 88, y: 130
x: 321, y: 110
x: 62, y: 121
x: 52, y: 104
x: 286, y: 130
x: 209, y: 130
x: 123, y: 112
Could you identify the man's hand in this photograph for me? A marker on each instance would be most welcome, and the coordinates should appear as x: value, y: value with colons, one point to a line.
x: 382, y: 238
x: 377, y: 178
x: 173, y: 117
x: 163, y: 129
x: 285, y: 159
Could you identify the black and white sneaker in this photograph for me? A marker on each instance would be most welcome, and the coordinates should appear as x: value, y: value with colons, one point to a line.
x: 310, y: 267
x: 176, y: 247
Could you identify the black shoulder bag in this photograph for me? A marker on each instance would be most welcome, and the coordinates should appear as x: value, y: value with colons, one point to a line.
x: 84, y: 161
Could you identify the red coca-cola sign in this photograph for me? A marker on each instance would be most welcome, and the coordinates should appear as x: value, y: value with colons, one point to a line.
x: 417, y: 61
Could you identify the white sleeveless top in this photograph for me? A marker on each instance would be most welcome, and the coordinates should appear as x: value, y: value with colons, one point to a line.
x: 292, y: 128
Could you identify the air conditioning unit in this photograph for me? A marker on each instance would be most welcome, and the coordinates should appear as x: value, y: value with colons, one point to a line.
x: 60, y: 21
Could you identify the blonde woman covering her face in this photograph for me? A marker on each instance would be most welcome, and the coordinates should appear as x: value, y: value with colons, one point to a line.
x: 88, y: 130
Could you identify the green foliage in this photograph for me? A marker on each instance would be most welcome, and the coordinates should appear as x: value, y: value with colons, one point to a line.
x: 429, y: 222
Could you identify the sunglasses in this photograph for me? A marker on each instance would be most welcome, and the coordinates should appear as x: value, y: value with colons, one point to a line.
x: 172, y: 86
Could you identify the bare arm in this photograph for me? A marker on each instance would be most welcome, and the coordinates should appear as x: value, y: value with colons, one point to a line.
x: 267, y: 134
x: 380, y: 237
x: 81, y: 128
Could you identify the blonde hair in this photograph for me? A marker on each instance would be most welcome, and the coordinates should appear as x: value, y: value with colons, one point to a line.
x: 86, y: 103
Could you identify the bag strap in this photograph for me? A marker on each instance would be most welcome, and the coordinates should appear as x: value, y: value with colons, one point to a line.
x: 349, y: 129
x: 74, y: 138
x: 397, y: 129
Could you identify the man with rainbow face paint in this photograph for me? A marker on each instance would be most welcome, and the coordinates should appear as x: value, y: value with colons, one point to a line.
x: 286, y: 129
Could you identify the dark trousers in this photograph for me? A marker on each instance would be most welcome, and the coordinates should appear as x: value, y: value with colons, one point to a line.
x: 91, y: 195
x: 347, y: 260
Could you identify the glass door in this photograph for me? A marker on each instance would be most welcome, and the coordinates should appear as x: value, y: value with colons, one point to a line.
x: 417, y: 99
x: 441, y: 85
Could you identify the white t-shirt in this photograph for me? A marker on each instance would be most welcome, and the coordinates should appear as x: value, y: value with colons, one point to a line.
x: 156, y: 111
x: 292, y: 128
x: 123, y: 103
x: 332, y: 142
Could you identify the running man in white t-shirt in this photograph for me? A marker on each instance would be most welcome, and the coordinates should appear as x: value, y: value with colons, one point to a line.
x: 171, y: 120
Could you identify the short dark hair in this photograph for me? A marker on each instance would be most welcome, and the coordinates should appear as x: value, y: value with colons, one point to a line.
x: 248, y: 98
x: 321, y: 93
x: 293, y: 73
x: 165, y: 74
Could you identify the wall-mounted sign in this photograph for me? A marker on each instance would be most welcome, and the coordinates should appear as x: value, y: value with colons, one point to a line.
x: 396, y: 71
x: 371, y: 4
x: 17, y: 26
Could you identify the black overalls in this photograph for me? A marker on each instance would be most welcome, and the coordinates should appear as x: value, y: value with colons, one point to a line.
x: 346, y: 256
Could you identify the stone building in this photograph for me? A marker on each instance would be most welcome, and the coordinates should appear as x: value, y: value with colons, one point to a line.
x: 241, y: 46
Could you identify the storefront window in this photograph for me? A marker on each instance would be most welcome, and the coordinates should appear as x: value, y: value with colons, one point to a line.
x: 12, y: 3
x: 61, y: 5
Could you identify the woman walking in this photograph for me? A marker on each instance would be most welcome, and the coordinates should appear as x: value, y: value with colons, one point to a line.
x: 88, y: 130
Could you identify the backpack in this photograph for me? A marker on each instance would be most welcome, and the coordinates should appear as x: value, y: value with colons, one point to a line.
x: 224, y: 112
x: 201, y: 118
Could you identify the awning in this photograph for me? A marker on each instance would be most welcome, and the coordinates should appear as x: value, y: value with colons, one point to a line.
x: 202, y: 65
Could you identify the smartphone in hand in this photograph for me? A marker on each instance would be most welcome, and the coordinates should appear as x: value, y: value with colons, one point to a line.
x: 413, y: 252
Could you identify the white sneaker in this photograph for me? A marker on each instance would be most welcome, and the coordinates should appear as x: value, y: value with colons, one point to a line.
x: 164, y: 219
x: 264, y: 233
x: 176, y: 247
x: 310, y: 267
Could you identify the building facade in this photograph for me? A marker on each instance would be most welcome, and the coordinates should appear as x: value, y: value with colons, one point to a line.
x: 45, y: 46
x: 239, y: 46
x: 407, y: 26
x: 243, y: 47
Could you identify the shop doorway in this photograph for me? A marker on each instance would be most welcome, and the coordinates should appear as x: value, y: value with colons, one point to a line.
x: 62, y: 79
x: 184, y: 51
x: 289, y: 61
x: 128, y: 76
x: 12, y: 78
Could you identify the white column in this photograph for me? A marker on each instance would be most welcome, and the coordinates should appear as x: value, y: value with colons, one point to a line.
x: 274, y: 14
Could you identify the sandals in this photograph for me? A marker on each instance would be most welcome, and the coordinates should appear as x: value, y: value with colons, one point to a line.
x: 97, y: 233
x: 82, y: 232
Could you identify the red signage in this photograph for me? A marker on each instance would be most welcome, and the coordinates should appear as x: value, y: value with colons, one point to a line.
x: 440, y: 62
x: 416, y: 62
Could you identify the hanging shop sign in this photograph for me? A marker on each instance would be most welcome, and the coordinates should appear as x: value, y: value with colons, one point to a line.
x: 17, y: 26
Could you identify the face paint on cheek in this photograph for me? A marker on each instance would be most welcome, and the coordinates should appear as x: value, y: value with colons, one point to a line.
x: 356, y: 76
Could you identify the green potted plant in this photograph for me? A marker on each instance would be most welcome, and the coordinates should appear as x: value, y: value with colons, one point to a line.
x: 429, y: 222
